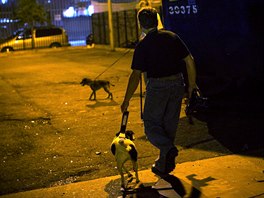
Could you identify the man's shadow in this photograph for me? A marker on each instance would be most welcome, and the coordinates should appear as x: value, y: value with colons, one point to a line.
x: 147, y: 190
x: 197, y: 185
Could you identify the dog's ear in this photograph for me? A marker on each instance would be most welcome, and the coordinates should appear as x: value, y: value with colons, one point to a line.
x: 130, y: 135
x: 117, y: 134
x: 113, y: 149
x: 133, y: 153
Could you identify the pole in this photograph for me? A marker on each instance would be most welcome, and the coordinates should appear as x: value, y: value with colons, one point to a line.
x: 110, y: 22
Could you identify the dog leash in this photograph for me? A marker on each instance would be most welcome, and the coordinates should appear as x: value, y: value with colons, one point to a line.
x: 113, y: 63
x: 124, y: 122
x: 141, y: 97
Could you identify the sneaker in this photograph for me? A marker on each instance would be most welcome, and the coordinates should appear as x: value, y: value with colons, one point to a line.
x: 170, y: 159
x: 158, y: 172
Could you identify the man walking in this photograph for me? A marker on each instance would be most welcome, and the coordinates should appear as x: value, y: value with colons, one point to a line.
x: 161, y: 54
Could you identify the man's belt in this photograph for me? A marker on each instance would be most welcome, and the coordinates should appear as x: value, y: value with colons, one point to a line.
x: 172, y: 77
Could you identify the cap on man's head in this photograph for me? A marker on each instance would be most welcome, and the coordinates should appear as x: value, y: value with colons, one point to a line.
x: 148, y: 17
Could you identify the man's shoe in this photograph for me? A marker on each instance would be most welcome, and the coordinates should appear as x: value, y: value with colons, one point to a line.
x: 170, y: 159
x: 158, y: 172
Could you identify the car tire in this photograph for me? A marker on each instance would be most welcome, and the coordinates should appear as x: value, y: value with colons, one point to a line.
x: 7, y: 49
x: 55, y: 45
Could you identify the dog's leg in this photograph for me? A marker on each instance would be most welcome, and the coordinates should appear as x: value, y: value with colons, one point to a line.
x: 120, y: 170
x: 129, y: 175
x: 90, y: 98
x: 135, y: 168
x: 110, y: 95
x: 93, y: 95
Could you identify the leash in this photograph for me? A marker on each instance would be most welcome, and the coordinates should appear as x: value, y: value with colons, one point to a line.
x: 124, y: 122
x: 141, y: 97
x: 113, y: 63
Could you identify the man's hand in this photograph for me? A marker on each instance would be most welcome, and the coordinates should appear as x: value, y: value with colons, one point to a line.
x: 124, y: 106
x: 190, y: 90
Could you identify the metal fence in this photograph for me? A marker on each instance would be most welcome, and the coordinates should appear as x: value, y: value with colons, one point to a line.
x: 126, y: 31
x: 77, y: 27
x: 125, y: 26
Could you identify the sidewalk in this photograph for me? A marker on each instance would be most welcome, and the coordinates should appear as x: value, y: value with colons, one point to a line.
x: 230, y: 176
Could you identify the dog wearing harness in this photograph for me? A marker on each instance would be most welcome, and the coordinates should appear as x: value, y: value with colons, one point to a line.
x: 124, y: 149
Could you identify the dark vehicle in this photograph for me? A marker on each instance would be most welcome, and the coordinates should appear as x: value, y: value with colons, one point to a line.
x: 42, y: 37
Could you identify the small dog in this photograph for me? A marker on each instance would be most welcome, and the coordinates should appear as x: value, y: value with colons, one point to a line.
x: 96, y: 85
x: 124, y: 149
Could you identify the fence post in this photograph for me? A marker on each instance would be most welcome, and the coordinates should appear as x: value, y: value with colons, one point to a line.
x: 110, y: 27
x: 137, y: 25
x: 117, y: 28
x: 104, y: 29
x: 125, y: 20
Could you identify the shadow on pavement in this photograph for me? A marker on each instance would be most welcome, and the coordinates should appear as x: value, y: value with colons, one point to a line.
x: 198, y: 183
x: 176, y: 184
x: 173, y: 188
x: 98, y: 103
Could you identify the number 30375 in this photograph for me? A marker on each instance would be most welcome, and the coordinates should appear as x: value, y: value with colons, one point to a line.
x: 189, y: 9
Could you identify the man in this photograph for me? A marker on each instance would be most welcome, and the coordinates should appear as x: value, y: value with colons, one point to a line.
x: 161, y: 54
x: 147, y: 4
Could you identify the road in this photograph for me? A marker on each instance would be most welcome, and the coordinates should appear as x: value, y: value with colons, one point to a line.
x: 51, y: 134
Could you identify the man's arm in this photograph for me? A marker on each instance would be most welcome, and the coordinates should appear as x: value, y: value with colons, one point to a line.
x: 191, y: 72
x: 131, y: 88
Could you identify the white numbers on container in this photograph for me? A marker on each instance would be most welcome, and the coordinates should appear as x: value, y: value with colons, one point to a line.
x: 183, y: 9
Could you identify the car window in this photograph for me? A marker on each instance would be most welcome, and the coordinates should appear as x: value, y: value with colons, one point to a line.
x: 27, y: 34
x: 48, y: 32
x: 24, y: 34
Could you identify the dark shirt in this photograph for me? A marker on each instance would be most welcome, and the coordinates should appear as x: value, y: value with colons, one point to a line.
x: 160, y: 54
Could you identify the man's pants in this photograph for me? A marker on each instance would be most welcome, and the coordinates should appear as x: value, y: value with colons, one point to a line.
x: 161, y: 114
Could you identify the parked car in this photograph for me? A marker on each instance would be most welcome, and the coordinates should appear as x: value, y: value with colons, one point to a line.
x: 41, y: 37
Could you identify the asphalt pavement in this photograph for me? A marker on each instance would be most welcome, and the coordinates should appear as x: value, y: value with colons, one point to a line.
x: 229, y: 176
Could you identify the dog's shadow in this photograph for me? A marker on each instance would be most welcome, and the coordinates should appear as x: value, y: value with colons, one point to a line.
x: 146, y: 190
x: 114, y: 190
x: 101, y: 103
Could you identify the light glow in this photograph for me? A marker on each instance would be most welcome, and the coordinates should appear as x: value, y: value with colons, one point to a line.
x: 69, y: 13
x: 82, y: 11
x: 7, y: 20
x: 90, y: 10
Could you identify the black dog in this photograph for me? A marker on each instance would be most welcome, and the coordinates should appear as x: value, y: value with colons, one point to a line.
x: 96, y: 85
